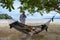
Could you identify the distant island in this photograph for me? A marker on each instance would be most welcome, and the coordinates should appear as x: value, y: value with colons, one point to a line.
x: 5, y: 16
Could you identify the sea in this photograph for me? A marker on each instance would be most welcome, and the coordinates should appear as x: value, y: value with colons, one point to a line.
x: 29, y: 20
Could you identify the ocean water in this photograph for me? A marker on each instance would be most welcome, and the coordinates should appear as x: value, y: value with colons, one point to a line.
x: 31, y: 20
x: 55, y: 20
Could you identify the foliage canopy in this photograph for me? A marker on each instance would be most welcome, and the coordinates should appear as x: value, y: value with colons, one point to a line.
x: 33, y: 6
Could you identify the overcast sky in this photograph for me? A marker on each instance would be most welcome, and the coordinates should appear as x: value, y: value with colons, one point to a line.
x: 15, y: 13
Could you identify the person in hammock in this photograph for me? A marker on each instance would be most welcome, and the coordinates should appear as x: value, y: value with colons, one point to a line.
x: 33, y: 30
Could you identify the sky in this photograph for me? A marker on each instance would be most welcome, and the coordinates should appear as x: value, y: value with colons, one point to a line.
x: 15, y: 13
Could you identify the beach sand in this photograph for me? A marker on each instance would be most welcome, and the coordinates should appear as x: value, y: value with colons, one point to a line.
x: 53, y: 32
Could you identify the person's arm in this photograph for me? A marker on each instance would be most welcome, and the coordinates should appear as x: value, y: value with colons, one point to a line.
x: 25, y: 16
x: 20, y: 17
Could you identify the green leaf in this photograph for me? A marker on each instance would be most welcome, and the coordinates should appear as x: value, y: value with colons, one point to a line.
x: 30, y: 5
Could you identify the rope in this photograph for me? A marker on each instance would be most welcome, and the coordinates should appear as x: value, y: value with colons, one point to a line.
x: 47, y: 23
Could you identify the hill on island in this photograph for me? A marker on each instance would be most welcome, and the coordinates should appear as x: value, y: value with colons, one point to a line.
x: 5, y: 16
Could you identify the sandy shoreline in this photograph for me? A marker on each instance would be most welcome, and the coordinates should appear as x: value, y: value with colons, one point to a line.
x: 7, y: 22
x: 53, y: 32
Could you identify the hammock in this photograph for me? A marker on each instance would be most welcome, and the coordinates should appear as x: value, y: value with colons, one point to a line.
x: 20, y: 27
x: 17, y: 25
